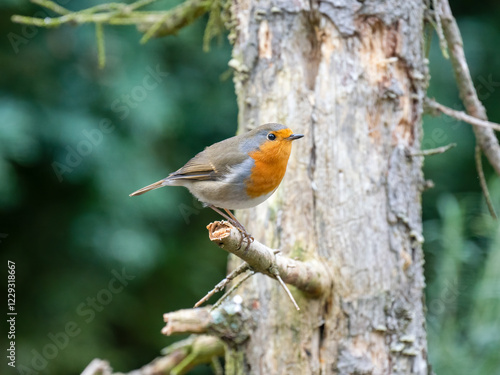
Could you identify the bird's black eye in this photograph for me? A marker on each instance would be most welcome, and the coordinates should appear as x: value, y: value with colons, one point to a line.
x: 271, y: 137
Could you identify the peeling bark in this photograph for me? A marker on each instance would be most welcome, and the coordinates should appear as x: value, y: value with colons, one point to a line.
x: 349, y: 75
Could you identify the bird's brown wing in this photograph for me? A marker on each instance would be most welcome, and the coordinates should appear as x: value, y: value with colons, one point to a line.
x: 211, y: 164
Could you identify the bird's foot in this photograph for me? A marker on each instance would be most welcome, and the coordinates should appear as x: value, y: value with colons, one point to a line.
x: 235, y: 223
x: 244, y: 236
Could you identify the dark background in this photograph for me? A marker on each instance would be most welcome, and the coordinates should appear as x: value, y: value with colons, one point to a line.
x: 68, y: 224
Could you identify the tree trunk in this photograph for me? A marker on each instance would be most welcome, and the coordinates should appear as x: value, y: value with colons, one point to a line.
x: 351, y: 76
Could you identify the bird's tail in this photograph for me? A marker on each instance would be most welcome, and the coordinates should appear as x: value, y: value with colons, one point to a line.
x: 145, y: 189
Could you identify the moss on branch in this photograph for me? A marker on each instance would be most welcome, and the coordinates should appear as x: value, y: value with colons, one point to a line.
x: 177, y: 359
x: 150, y: 23
x: 173, y: 20
x: 168, y: 21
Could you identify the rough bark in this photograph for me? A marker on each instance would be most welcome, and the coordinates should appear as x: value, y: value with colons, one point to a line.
x: 350, y: 76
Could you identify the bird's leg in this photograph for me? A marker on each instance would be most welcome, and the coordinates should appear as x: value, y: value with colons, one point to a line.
x: 236, y: 224
x: 242, y: 229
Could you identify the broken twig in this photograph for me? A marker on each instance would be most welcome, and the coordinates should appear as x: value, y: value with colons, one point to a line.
x: 310, y: 276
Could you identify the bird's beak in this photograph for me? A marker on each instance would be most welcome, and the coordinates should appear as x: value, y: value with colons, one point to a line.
x: 295, y: 136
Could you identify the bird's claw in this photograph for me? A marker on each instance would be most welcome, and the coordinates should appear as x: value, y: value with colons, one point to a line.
x: 244, y: 236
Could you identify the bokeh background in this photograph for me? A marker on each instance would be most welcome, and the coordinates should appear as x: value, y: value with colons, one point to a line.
x: 95, y: 269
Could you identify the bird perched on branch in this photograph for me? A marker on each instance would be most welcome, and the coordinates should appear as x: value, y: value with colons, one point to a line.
x: 238, y: 172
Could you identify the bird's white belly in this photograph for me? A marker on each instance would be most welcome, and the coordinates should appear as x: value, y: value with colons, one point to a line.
x: 226, y: 198
x: 232, y: 204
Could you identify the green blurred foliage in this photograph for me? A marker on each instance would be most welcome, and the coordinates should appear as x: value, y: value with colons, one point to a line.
x: 71, y: 227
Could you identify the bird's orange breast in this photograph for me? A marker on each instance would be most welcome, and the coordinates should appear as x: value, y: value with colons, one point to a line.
x: 269, y: 169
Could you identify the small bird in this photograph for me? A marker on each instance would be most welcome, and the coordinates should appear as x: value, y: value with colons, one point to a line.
x: 238, y: 172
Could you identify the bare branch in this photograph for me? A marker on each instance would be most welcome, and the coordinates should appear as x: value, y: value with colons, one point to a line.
x: 287, y: 291
x: 229, y: 322
x: 187, y: 321
x: 439, y: 31
x: 434, y: 151
x: 482, y: 181
x: 485, y: 136
x: 232, y: 289
x: 108, y: 13
x: 238, y: 271
x: 307, y: 276
x: 433, y: 106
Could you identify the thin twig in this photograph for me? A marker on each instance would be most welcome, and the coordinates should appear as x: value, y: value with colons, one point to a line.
x: 482, y: 181
x: 434, y: 151
x: 115, y: 7
x: 153, y: 30
x: 221, y: 285
x: 140, y: 4
x: 439, y: 30
x: 460, y: 115
x: 287, y: 292
x: 81, y: 17
x: 275, y: 272
x: 52, y: 6
x: 232, y: 289
x: 101, y: 54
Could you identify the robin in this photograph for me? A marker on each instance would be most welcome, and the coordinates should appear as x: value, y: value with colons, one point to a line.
x: 238, y: 172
